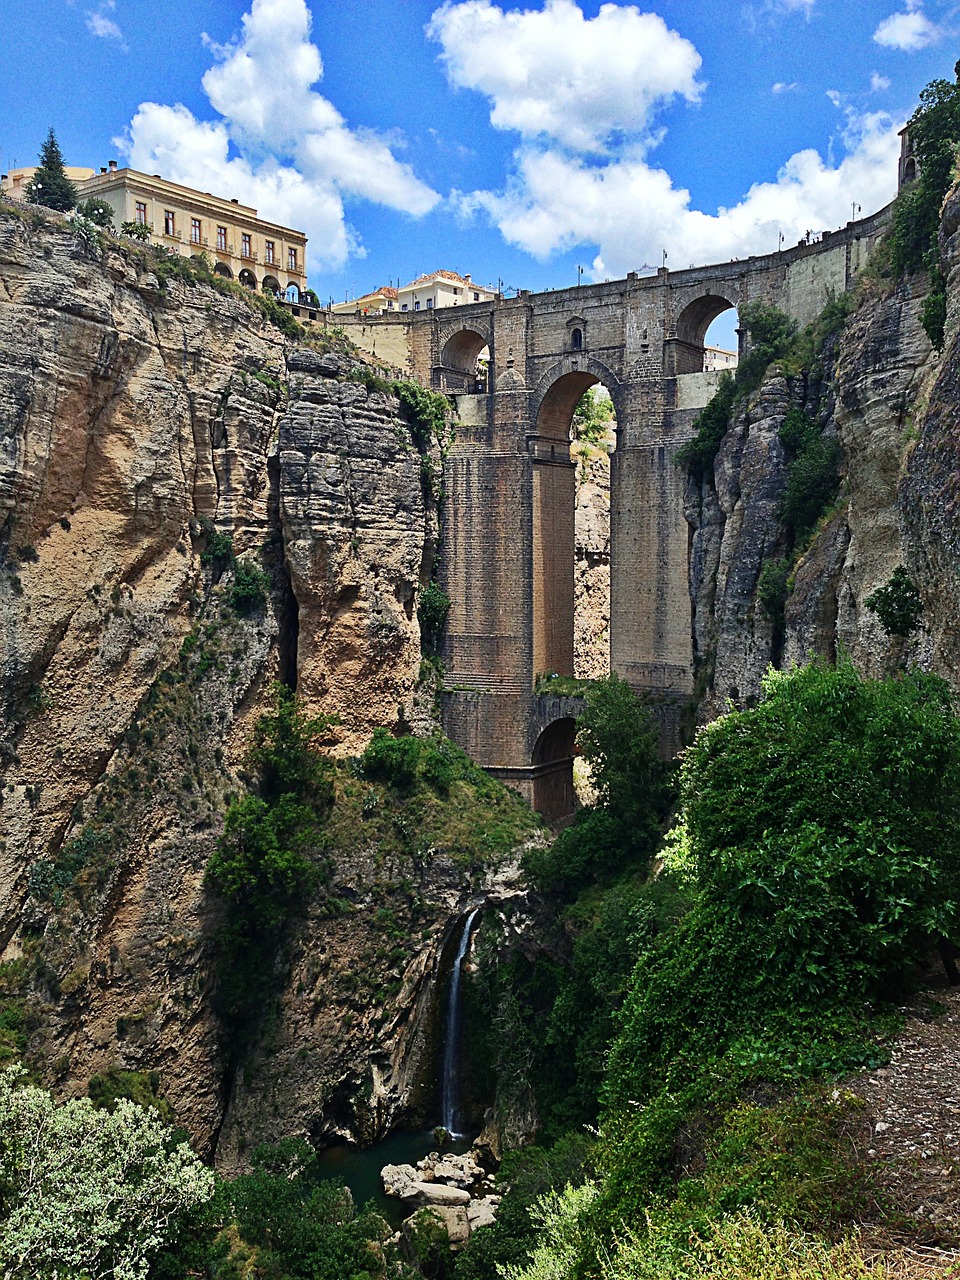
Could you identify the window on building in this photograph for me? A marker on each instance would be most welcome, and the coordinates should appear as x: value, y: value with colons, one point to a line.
x: 168, y: 222
x: 142, y: 213
x: 416, y: 306
x: 246, y: 247
x: 476, y: 297
x: 268, y: 251
x: 576, y: 339
x: 429, y: 304
x: 404, y: 307
x: 194, y: 230
x: 221, y: 237
x: 291, y: 259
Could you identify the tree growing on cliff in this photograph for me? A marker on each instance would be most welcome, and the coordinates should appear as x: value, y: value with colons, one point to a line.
x: 50, y: 185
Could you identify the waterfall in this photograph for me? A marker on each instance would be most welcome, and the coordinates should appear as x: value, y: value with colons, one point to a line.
x: 450, y: 1109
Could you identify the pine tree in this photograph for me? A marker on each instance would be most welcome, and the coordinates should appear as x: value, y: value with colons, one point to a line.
x: 50, y: 185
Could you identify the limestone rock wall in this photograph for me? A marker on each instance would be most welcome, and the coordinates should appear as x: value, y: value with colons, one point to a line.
x: 136, y: 422
x: 893, y: 404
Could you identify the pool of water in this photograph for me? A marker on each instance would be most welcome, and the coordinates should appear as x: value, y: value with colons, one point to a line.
x: 360, y: 1169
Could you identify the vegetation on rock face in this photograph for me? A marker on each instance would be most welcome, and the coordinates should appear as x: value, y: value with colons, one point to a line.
x: 934, y: 132
x: 271, y: 856
x: 897, y: 604
x: 50, y: 185
x: 813, y: 473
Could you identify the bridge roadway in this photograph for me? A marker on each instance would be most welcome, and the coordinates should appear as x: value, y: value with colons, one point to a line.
x: 508, y: 550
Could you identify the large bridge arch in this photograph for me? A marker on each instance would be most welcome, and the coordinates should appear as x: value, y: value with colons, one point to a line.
x: 686, y: 347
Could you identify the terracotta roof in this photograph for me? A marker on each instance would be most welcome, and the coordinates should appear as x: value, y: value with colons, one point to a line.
x: 446, y: 275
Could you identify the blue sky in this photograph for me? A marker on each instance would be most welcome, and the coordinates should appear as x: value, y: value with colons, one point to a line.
x: 513, y: 141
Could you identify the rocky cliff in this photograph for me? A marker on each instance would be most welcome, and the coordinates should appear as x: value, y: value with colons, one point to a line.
x: 890, y: 401
x: 161, y: 444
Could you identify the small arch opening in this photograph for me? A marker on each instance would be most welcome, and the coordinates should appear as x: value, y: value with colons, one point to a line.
x: 247, y: 279
x: 292, y: 292
x: 221, y: 269
x: 910, y: 170
x: 553, y: 793
x: 271, y: 285
x: 465, y: 363
x: 693, y: 325
x: 576, y: 340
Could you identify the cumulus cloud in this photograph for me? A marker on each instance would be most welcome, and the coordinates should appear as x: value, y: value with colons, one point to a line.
x: 781, y: 87
x: 552, y: 73
x: 878, y: 83
x: 100, y: 24
x: 563, y: 191
x: 908, y: 31
x: 279, y: 144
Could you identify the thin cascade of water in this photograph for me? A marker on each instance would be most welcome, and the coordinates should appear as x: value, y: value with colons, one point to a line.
x: 450, y: 1106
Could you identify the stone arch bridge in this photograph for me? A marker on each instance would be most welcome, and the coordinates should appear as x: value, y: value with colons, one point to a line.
x: 508, y: 552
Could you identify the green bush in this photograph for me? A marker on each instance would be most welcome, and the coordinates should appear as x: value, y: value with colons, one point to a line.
x: 897, y: 604
x: 432, y: 610
x: 97, y: 211
x: 250, y: 587
x: 391, y: 760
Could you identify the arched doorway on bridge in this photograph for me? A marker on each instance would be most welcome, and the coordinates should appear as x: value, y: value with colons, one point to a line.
x: 706, y: 335
x: 575, y: 438
x: 465, y: 363
x: 553, y: 793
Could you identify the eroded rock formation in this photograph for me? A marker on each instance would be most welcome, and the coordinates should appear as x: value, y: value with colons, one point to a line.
x: 891, y: 401
x: 142, y: 424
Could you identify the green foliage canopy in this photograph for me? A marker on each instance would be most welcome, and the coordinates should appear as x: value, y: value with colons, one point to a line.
x: 86, y: 1192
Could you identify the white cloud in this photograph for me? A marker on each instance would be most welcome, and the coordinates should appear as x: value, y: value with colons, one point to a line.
x: 632, y: 212
x: 834, y: 97
x: 878, y: 83
x: 908, y: 31
x: 296, y: 154
x: 780, y: 87
x: 551, y: 73
x: 100, y: 24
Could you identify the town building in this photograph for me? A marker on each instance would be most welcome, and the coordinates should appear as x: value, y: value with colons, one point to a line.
x: 441, y: 289
x: 715, y: 358
x: 259, y: 254
x: 377, y: 303
x: 242, y: 246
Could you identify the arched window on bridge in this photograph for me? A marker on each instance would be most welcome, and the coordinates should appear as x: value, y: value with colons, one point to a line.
x: 576, y: 340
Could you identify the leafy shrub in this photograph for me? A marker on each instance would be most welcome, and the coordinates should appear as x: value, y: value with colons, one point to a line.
x: 773, y: 588
x: 250, y: 587
x: 218, y: 550
x: 432, y: 610
x: 897, y: 604
x: 391, y: 760
x: 136, y: 230
x: 593, y: 416
x: 813, y: 473
x: 97, y: 211
x: 87, y: 1192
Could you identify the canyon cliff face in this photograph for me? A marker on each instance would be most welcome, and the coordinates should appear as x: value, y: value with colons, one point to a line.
x: 891, y: 401
x: 142, y: 424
